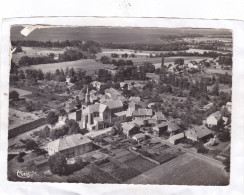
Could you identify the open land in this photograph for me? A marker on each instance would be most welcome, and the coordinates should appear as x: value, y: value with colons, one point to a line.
x: 183, y: 170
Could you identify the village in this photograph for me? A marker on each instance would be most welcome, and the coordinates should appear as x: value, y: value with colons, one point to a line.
x: 135, y: 124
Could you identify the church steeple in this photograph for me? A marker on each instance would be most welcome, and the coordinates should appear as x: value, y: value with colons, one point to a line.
x: 87, y: 100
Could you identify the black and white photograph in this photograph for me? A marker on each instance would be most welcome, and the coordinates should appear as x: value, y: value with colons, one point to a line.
x: 120, y: 105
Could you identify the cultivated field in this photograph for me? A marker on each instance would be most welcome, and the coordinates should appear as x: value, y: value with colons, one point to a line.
x: 184, y: 170
x: 85, y: 64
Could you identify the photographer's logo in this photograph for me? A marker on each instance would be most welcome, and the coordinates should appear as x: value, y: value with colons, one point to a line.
x: 25, y: 174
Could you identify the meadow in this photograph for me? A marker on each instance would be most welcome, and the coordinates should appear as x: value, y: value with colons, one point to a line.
x: 87, y: 65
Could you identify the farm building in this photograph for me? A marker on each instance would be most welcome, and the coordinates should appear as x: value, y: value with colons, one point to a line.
x: 199, y: 133
x: 176, y: 138
x: 70, y: 146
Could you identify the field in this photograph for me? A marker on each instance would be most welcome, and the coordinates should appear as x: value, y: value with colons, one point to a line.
x: 140, y: 61
x: 86, y: 64
x: 20, y: 91
x: 217, y: 71
x: 17, y: 118
x: 138, y: 53
x: 184, y: 170
x: 201, y: 51
x: 35, y: 52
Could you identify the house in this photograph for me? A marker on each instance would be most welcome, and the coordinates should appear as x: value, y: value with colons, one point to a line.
x: 139, y: 122
x: 112, y: 93
x: 135, y: 99
x: 139, y: 137
x: 143, y: 113
x: 192, y: 65
x: 213, y: 119
x: 153, y: 77
x: 169, y: 127
x: 172, y: 127
x: 199, y: 133
x: 71, y: 105
x: 94, y: 96
x: 229, y: 106
x: 129, y: 128
x: 176, y: 138
x: 123, y: 85
x: 96, y: 84
x: 111, y: 69
x: 70, y: 146
x: 159, y: 117
x: 158, y: 130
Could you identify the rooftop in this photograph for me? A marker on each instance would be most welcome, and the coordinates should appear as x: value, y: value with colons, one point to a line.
x: 143, y: 112
x: 139, y: 135
x: 216, y: 115
x: 114, y: 104
x: 199, y: 131
x: 69, y: 141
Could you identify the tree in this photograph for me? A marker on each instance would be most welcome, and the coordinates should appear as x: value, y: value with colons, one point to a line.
x: 179, y: 61
x: 14, y: 95
x: 48, y: 76
x: 40, y: 75
x: 227, y: 164
x: 215, y: 90
x: 58, y: 164
x: 13, y: 78
x: 30, y: 144
x: 52, y: 118
x: 31, y: 76
x: 13, y: 69
x: 21, y: 74
x: 62, y: 112
x: 148, y: 67
x: 73, y: 126
x: 105, y: 60
x: 20, y: 156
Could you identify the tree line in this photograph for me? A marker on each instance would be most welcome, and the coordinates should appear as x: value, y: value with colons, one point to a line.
x: 120, y: 62
x: 83, y: 45
x: 176, y: 46
x: 69, y: 55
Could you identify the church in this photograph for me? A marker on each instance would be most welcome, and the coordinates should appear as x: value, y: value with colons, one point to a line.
x: 99, y: 115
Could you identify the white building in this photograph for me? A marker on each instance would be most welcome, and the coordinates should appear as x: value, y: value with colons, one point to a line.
x: 70, y: 146
x: 213, y: 119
